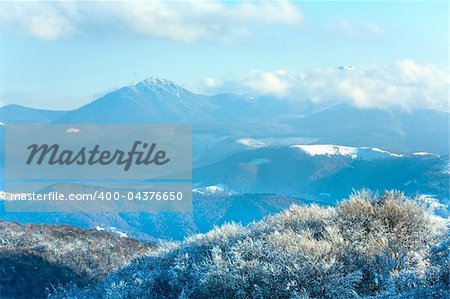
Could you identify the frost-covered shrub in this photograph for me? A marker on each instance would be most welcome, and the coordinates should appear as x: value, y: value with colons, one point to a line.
x: 383, y: 246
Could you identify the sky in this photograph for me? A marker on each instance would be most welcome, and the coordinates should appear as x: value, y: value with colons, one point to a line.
x: 61, y: 55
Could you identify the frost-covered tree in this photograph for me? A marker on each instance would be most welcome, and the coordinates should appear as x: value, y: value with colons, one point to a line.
x: 369, y: 246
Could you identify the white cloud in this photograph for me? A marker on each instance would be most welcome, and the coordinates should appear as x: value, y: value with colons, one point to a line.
x: 356, y: 28
x: 210, y: 82
x: 405, y: 84
x: 185, y: 21
x: 43, y: 20
x: 269, y: 83
x: 373, y: 28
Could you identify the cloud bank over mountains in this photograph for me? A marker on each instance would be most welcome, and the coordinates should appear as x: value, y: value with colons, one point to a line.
x: 404, y: 84
x: 186, y: 21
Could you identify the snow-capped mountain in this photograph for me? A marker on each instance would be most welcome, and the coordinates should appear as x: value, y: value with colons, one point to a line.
x: 150, y: 101
x: 327, y: 173
x: 323, y: 149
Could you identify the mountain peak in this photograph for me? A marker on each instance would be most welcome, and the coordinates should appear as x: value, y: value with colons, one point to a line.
x: 157, y: 81
x: 160, y: 84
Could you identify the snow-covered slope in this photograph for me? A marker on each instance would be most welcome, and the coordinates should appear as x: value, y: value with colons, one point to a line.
x: 250, y: 143
x: 328, y: 150
x: 353, y: 152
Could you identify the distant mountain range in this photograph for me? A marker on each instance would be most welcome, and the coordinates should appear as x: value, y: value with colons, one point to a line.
x: 224, y: 118
x: 396, y: 130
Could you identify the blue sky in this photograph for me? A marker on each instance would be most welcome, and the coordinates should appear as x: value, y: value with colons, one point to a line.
x: 63, y: 55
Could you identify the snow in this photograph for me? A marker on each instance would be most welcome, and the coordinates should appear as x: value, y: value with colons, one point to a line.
x: 385, y: 152
x: 119, y: 232
x: 353, y: 152
x: 214, y: 189
x: 113, y: 230
x: 252, y: 143
x: 421, y: 154
x: 328, y: 150
x: 165, y: 85
x: 425, y: 154
x: 275, y: 141
x: 305, y: 145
